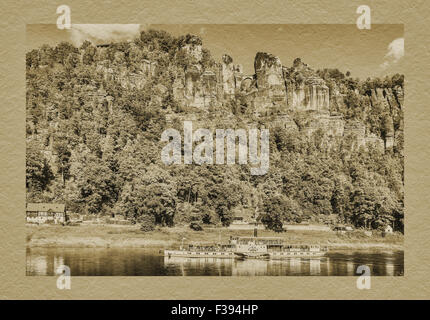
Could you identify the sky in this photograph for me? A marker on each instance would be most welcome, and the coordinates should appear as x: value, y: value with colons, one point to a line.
x: 365, y: 53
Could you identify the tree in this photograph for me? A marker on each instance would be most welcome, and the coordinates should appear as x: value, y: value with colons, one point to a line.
x: 274, y: 211
x: 159, y: 201
x: 340, y: 198
x: 72, y: 61
x: 293, y: 211
x: 147, y: 222
x: 106, y: 150
x: 94, y: 183
x: 89, y: 53
x: 63, y: 50
x: 38, y: 172
x: 151, y: 193
x: 47, y: 55
x: 221, y: 193
x: 32, y: 58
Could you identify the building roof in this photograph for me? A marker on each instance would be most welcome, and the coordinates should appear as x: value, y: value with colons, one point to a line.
x: 54, y: 207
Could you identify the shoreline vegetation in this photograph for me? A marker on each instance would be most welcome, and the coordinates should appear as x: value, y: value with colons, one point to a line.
x: 95, y: 114
x: 130, y: 236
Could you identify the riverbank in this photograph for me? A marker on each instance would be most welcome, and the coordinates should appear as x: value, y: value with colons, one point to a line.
x: 130, y: 236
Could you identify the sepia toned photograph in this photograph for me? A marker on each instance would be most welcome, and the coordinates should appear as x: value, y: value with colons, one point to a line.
x: 214, y: 150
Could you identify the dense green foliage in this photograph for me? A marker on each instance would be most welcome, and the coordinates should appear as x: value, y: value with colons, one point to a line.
x: 100, y: 161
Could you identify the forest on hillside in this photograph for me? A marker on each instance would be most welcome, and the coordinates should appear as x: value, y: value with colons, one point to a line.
x: 101, y: 157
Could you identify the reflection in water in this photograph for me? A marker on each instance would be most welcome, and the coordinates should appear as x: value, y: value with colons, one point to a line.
x: 349, y: 267
x: 250, y: 267
x: 389, y: 269
x: 147, y: 262
x: 295, y: 265
x: 40, y: 264
x: 315, y: 267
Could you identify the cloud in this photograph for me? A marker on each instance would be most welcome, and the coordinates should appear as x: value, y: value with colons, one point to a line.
x: 103, y: 32
x: 396, y: 51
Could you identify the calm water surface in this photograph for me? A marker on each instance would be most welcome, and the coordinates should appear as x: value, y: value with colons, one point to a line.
x: 150, y: 262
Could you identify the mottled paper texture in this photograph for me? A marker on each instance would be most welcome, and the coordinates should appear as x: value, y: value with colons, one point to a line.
x: 15, y: 284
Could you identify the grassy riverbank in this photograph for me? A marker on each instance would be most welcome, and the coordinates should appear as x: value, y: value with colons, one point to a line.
x: 88, y: 236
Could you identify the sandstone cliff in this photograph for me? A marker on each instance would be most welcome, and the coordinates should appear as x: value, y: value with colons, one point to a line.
x: 305, y: 90
x: 272, y: 85
x: 273, y: 89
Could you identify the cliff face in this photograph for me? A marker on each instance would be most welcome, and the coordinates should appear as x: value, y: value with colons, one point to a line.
x: 270, y: 80
x: 270, y: 86
x: 391, y: 100
x: 312, y: 94
x: 227, y: 76
x: 93, y: 110
x: 305, y: 90
x: 274, y: 88
x: 193, y: 89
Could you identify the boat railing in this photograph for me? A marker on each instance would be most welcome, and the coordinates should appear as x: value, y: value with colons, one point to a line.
x: 304, y: 248
x: 269, y: 246
x: 210, y: 248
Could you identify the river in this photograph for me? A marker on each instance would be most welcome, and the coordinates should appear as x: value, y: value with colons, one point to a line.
x: 150, y: 262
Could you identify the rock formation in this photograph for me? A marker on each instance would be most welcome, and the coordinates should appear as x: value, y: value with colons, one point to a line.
x: 193, y: 87
x: 270, y: 80
x: 272, y: 89
x: 312, y: 94
x: 305, y: 90
x: 227, y: 76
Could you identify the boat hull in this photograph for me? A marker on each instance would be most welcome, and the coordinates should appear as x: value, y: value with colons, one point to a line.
x: 199, y: 254
x: 298, y: 254
x: 243, y: 255
x: 252, y: 255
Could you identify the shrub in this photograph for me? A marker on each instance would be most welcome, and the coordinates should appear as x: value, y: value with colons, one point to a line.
x: 195, y: 226
x: 147, y: 223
